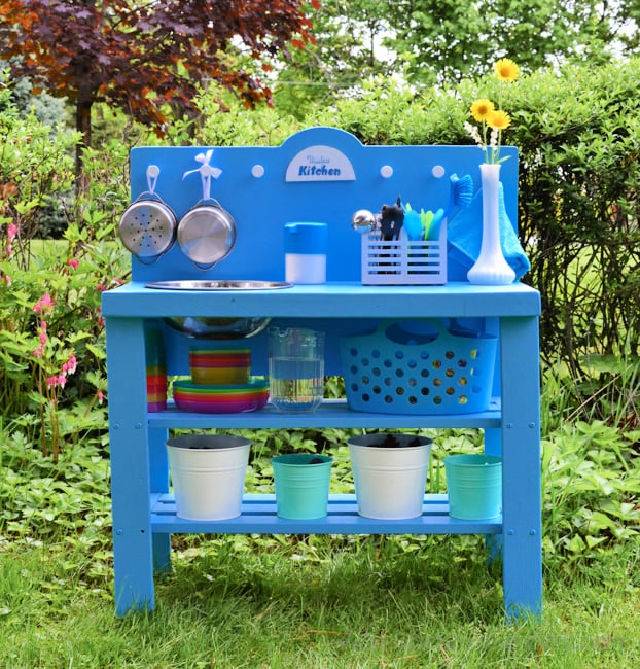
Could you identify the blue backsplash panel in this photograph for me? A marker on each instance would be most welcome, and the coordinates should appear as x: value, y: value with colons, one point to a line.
x: 261, y: 205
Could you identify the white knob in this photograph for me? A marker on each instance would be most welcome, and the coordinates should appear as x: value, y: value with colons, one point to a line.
x: 386, y: 171
x: 437, y: 171
x: 257, y: 171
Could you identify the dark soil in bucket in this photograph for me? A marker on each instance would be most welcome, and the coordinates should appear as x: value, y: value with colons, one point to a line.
x: 390, y: 441
x: 316, y: 461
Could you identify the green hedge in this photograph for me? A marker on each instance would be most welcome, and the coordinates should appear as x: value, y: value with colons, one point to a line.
x: 579, y: 136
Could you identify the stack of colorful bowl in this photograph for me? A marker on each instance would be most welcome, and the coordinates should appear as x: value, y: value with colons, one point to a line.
x: 156, y: 369
x: 220, y: 367
x: 221, y: 383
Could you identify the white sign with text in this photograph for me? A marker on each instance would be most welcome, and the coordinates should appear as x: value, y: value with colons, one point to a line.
x: 320, y: 163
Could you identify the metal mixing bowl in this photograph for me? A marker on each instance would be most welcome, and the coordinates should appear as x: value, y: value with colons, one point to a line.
x: 201, y: 327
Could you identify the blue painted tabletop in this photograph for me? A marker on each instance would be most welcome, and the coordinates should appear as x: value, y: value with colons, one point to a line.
x: 330, y: 300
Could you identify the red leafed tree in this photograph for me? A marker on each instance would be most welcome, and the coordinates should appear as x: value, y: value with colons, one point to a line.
x: 142, y: 54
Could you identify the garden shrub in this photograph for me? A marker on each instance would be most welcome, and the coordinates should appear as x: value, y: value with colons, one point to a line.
x: 36, y: 171
x: 591, y: 481
x: 51, y: 343
x: 579, y: 136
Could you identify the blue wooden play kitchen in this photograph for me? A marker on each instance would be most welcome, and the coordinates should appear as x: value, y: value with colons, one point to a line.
x: 258, y: 271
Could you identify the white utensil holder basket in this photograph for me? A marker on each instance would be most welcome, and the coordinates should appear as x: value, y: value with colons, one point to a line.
x: 404, y: 262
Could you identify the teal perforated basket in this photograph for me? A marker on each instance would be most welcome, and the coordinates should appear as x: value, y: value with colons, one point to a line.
x: 439, y: 372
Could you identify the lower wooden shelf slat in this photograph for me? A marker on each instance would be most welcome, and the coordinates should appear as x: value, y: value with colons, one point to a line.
x: 259, y: 517
x: 331, y: 413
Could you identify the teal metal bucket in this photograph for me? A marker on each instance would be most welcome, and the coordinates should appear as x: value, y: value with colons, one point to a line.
x: 475, y: 486
x: 302, y: 485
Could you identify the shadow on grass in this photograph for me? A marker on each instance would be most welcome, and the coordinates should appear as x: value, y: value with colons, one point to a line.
x: 357, y: 585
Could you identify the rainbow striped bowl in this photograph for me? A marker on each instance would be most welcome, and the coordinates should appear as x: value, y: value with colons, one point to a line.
x: 220, y: 366
x: 241, y: 398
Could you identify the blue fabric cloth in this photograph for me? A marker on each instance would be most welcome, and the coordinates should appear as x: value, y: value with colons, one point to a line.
x: 465, y: 236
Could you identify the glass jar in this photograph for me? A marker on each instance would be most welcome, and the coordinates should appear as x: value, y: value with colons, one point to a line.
x: 296, y: 368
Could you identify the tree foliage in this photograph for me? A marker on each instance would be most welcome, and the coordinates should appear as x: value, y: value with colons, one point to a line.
x: 348, y: 48
x: 436, y: 41
x: 142, y: 56
x: 451, y: 40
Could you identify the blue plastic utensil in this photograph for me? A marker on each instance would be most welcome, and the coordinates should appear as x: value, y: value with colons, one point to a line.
x: 412, y: 224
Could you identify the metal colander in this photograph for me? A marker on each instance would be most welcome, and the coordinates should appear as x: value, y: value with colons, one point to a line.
x: 148, y: 227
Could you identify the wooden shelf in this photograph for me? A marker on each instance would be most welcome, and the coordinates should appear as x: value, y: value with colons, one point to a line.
x: 331, y: 413
x: 334, y: 299
x: 259, y: 517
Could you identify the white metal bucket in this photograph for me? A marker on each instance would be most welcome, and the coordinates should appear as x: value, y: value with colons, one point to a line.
x: 208, y: 473
x: 390, y: 482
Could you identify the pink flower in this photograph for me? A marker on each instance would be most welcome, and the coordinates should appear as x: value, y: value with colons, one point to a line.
x: 100, y: 396
x: 45, y: 302
x: 42, y: 338
x: 73, y: 263
x: 12, y: 231
x: 62, y: 380
x: 69, y: 367
x: 7, y: 279
x: 52, y: 381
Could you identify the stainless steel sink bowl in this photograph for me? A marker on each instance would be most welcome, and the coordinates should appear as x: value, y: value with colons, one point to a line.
x: 219, y: 284
x: 201, y: 327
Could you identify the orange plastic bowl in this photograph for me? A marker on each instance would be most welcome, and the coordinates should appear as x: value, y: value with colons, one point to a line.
x: 220, y: 366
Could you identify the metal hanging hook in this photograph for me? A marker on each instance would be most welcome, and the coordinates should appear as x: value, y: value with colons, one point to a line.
x: 206, y: 172
x: 152, y: 177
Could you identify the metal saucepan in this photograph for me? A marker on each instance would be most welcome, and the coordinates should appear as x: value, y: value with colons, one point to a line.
x: 206, y: 233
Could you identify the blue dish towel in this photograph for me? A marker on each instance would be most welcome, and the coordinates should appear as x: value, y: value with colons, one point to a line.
x: 465, y: 236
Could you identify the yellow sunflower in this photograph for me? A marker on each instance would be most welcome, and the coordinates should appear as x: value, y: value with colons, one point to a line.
x: 498, y: 120
x: 480, y: 109
x: 506, y: 70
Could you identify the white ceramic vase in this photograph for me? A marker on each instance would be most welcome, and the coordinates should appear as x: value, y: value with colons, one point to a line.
x: 490, y: 268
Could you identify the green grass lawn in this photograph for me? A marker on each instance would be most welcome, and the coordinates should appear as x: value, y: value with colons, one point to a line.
x: 317, y: 602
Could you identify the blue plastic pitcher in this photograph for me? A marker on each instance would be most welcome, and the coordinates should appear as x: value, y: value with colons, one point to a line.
x: 302, y: 485
x: 475, y: 486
